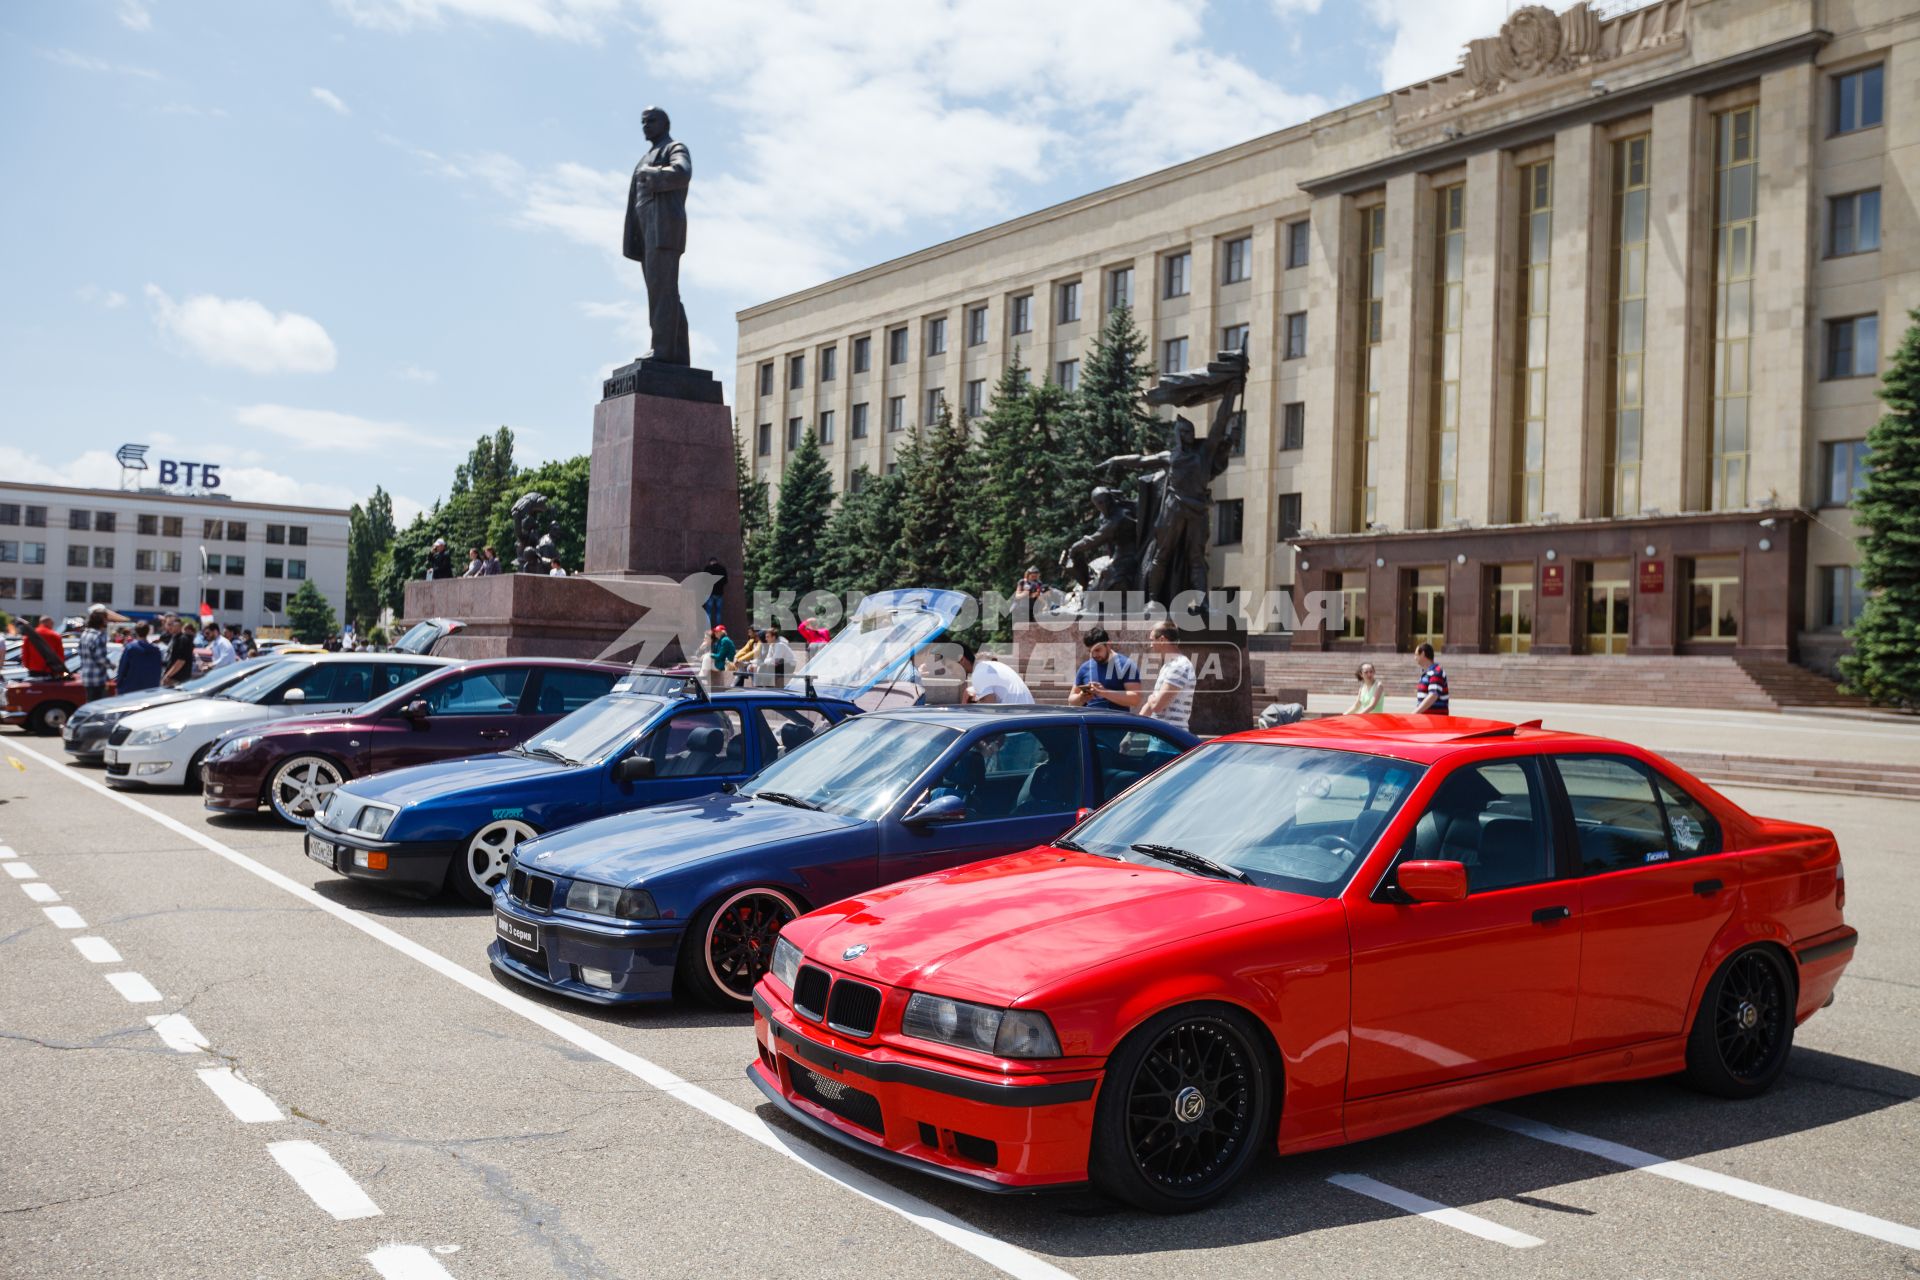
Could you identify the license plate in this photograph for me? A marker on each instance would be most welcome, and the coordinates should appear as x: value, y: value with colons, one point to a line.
x: 67, y: 733
x: 516, y: 932
x: 322, y: 852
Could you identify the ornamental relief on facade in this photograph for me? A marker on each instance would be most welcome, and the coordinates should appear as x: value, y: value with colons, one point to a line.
x: 1534, y: 42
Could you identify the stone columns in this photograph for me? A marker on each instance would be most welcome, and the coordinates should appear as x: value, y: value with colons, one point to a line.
x: 1406, y: 351
x: 1485, y: 455
x: 1788, y: 230
x: 1579, y: 323
x: 1330, y: 385
x: 1679, y: 309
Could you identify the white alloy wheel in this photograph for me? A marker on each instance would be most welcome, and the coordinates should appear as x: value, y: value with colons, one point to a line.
x: 299, y: 788
x: 489, y: 857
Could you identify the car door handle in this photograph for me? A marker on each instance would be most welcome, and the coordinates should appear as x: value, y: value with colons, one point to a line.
x: 493, y: 733
x: 1547, y: 915
x: 1707, y: 888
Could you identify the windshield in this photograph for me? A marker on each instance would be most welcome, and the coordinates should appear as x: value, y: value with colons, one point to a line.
x: 420, y: 637
x: 593, y: 731
x: 264, y: 680
x: 1294, y: 818
x: 214, y: 681
x: 859, y: 768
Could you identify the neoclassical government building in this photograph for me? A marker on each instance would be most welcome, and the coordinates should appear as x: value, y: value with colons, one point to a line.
x: 1570, y: 350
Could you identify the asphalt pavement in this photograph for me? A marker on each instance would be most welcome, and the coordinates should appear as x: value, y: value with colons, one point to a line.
x: 219, y: 1060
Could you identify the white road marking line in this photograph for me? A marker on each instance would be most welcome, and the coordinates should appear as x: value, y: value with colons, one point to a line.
x: 40, y: 891
x: 1706, y: 1179
x: 990, y: 1249
x: 1458, y: 1219
x: 64, y: 917
x: 98, y: 950
x: 326, y: 1183
x: 21, y: 871
x: 180, y: 1035
x: 248, y: 1104
x: 407, y: 1262
x: 7, y: 851
x: 135, y: 988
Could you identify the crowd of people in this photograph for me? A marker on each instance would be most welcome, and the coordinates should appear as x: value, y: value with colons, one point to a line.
x: 149, y: 655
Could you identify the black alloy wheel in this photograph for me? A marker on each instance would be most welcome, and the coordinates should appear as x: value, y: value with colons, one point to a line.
x: 1744, y: 1028
x: 736, y: 936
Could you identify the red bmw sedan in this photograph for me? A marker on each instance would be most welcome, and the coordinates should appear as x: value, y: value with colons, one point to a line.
x: 1301, y: 937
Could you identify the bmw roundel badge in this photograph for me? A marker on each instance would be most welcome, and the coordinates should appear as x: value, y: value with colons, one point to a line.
x: 854, y: 952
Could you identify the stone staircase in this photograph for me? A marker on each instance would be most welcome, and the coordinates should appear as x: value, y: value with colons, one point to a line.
x: 1895, y: 781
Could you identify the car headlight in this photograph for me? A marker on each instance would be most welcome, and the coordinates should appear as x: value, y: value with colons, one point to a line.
x: 786, y: 962
x: 148, y: 737
x: 232, y: 747
x: 374, y: 821
x: 1005, y: 1033
x: 605, y: 900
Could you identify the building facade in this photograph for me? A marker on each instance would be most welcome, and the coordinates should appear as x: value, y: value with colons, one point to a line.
x: 145, y: 553
x: 1570, y: 350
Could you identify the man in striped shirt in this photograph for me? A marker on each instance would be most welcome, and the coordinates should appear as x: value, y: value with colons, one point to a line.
x: 1431, y: 693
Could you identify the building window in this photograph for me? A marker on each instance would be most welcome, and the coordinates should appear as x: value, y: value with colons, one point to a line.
x: 143, y: 561
x: 974, y: 396
x: 9, y: 552
x: 270, y: 601
x: 79, y: 519
x: 276, y: 535
x: 1236, y: 264
x: 34, y: 517
x: 105, y: 521
x: 860, y: 421
x: 1173, y: 355
x: 1067, y: 374
x: 1449, y: 303
x: 76, y: 593
x: 937, y: 336
x: 1067, y: 298
x: 1856, y: 99
x: 210, y: 530
x: 33, y: 588
x: 235, y: 601
x: 857, y: 481
x: 826, y: 426
x: 170, y: 526
x: 1119, y: 287
x: 896, y: 413
x: 1021, y: 310
x: 976, y: 326
x: 1513, y: 608
x: 763, y: 442
x: 1229, y: 521
x: 1235, y: 336
x: 1237, y: 424
x: 1179, y: 275
x: 1294, y: 343
x: 1841, y: 596
x: 1530, y: 397
x: 169, y: 597
x: 829, y: 363
x: 796, y: 372
x: 766, y: 378
x: 169, y: 562
x: 297, y: 535
x: 897, y: 345
x: 103, y: 557
x: 297, y: 569
x: 33, y: 553
x: 102, y: 593
x: 862, y: 354
x: 1625, y: 389
x: 1853, y: 223
x: 936, y: 402
x: 1853, y: 347
x: 1289, y: 516
x: 236, y: 531
x: 1713, y: 598
x: 9, y: 588
x: 1736, y: 163
x: 210, y: 596
x: 143, y: 597
x: 1426, y: 591
x: 1299, y: 235
x: 1350, y: 622
x: 10, y: 513
x: 1843, y: 471
x: 144, y: 526
x: 793, y: 434
x: 76, y: 556
x: 1366, y: 462
x: 1293, y: 425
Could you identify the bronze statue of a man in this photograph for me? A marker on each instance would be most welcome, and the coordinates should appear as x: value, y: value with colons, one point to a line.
x: 656, y: 233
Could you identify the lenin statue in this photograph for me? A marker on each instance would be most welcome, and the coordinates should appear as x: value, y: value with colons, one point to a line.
x: 656, y: 233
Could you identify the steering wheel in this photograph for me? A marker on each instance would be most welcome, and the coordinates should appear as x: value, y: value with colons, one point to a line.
x: 1339, y: 844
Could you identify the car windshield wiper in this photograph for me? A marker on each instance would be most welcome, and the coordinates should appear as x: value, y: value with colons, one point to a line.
x: 781, y: 797
x: 1191, y: 861
x: 545, y: 752
x: 1069, y: 846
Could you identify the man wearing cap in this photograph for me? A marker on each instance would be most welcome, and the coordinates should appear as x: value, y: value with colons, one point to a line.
x: 439, y: 560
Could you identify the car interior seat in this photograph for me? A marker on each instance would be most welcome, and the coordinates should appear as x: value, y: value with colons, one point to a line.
x: 1509, y: 855
x: 1053, y: 787
x: 704, y: 749
x: 793, y: 733
x: 552, y: 701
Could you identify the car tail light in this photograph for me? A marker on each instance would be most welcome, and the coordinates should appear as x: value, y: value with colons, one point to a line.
x: 1839, y: 884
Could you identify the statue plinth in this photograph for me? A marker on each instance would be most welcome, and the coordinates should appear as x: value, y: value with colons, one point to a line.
x: 667, y: 381
x: 1048, y: 651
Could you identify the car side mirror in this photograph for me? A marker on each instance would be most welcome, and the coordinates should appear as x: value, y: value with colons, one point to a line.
x: 940, y: 809
x: 634, y: 768
x: 1080, y: 814
x: 294, y: 695
x: 1432, y: 881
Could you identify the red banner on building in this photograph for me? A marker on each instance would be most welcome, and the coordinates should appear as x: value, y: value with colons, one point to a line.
x: 1653, y: 577
x: 1553, y: 580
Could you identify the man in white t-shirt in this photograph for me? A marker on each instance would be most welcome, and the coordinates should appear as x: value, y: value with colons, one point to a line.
x: 1172, y: 696
x: 989, y: 680
x: 219, y: 649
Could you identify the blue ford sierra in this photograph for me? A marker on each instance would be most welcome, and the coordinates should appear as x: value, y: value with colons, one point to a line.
x: 692, y: 895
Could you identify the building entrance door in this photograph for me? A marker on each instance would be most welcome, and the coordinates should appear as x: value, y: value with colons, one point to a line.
x: 1426, y: 608
x: 1513, y: 608
x: 1609, y: 606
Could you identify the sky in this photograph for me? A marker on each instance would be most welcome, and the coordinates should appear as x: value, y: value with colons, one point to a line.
x: 325, y: 244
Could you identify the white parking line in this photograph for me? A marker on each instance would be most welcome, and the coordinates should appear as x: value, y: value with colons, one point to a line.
x: 248, y: 1104
x: 21, y: 871
x: 1706, y: 1179
x: 40, y: 891
x: 7, y: 851
x: 64, y: 917
x: 180, y: 1035
x: 135, y: 988
x: 995, y: 1252
x: 407, y: 1262
x: 98, y: 950
x: 1458, y: 1219
x: 326, y: 1183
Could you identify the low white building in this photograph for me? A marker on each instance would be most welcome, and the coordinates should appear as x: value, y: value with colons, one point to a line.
x: 146, y: 552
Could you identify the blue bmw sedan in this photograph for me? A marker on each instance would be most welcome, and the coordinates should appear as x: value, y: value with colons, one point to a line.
x: 691, y: 895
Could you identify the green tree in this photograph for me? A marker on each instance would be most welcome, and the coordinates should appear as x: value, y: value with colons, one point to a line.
x: 478, y: 484
x: 756, y: 521
x: 859, y: 550
x: 1110, y: 417
x: 309, y: 616
x: 1885, y: 663
x: 405, y: 560
x: 564, y: 482
x: 800, y: 517
x: 370, y: 532
x: 1028, y: 512
x: 940, y: 501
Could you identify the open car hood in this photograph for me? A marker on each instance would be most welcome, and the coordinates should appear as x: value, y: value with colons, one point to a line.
x: 870, y: 662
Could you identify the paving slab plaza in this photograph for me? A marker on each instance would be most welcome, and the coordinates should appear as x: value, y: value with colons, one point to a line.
x: 218, y: 1060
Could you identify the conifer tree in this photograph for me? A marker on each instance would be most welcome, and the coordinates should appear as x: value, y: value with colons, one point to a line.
x: 1028, y: 512
x: 1110, y: 416
x: 857, y: 551
x: 1885, y: 663
x: 940, y: 480
x: 792, y: 561
x: 756, y: 521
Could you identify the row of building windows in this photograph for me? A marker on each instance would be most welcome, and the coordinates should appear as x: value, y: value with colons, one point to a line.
x: 145, y: 595
x: 85, y: 520
x: 145, y: 560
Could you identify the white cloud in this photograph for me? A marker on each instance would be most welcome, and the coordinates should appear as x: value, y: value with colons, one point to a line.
x: 135, y: 15
x: 325, y: 429
x: 241, y: 333
x: 1294, y: 8
x: 97, y: 469
x: 1426, y: 39
x: 566, y: 19
x: 87, y: 62
x: 111, y: 299
x: 330, y: 100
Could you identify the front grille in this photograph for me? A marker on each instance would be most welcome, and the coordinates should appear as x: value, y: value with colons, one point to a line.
x: 979, y: 1150
x: 119, y: 735
x: 535, y: 891
x: 852, y: 1105
x: 810, y: 991
x: 854, y: 1007
x: 119, y: 770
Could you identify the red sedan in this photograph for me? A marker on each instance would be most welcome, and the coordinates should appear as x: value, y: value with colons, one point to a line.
x: 1301, y: 937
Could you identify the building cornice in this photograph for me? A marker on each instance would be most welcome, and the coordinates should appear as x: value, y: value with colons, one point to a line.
x: 103, y: 496
x: 1589, y: 524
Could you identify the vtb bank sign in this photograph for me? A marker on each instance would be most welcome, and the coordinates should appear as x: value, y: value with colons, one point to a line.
x: 188, y: 475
